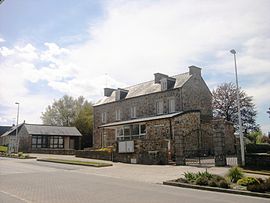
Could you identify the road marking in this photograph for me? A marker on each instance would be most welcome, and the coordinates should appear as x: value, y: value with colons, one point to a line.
x: 15, y: 196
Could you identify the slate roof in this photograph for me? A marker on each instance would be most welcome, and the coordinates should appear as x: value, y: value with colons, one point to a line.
x: 4, y: 129
x: 140, y: 120
x: 38, y: 129
x: 35, y: 129
x: 12, y: 130
x: 146, y: 88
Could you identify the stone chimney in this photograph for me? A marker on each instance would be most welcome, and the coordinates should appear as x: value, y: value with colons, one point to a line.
x: 194, y: 70
x: 108, y: 91
x: 159, y: 76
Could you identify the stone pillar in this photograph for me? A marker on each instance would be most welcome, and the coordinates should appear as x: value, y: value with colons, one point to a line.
x: 179, y: 150
x: 219, y: 142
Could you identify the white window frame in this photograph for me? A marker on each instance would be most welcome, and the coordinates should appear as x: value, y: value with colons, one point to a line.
x: 172, y: 105
x: 159, y: 107
x: 104, y: 117
x: 118, y: 114
x: 133, y: 112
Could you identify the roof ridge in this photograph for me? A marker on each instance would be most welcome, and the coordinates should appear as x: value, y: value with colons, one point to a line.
x: 49, y: 125
x: 153, y: 80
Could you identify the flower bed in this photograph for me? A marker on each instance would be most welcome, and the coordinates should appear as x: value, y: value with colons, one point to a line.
x: 20, y: 155
x: 234, y: 182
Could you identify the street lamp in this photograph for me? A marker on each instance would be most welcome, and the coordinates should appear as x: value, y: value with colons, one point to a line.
x: 239, y: 114
x: 17, y: 140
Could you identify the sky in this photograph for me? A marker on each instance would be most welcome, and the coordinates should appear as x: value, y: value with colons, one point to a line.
x: 52, y: 48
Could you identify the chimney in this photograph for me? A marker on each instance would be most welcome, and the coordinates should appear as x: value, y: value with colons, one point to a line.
x: 159, y: 76
x: 108, y: 91
x: 194, y: 70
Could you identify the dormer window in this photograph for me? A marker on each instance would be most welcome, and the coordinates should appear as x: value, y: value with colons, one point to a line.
x: 120, y: 94
x: 163, y: 84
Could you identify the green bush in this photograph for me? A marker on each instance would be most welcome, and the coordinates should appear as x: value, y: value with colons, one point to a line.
x: 223, y: 184
x: 20, y: 154
x: 202, y: 180
x: 190, y: 177
x: 213, y: 183
x: 3, y: 149
x: 234, y: 174
x: 247, y: 181
x: 257, y: 187
x: 217, y: 178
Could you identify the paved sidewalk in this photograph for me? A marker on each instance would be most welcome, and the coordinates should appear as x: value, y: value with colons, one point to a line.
x: 138, y: 172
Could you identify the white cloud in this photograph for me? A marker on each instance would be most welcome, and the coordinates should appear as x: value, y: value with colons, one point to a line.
x: 2, y: 40
x: 135, y: 39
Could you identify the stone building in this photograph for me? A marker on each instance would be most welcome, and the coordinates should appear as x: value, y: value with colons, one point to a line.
x: 41, y: 138
x: 143, y: 122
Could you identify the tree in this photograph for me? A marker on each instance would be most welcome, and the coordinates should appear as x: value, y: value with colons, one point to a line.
x: 225, y: 106
x: 68, y: 111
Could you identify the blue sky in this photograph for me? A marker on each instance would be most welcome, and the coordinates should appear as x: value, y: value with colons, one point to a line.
x: 51, y: 48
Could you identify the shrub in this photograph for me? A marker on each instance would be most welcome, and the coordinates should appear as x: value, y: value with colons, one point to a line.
x: 217, y: 178
x: 223, y: 184
x: 257, y: 188
x: 205, y: 174
x: 213, y: 183
x: 202, y: 180
x: 247, y: 181
x: 3, y: 149
x: 190, y: 177
x: 234, y: 174
x: 20, y: 154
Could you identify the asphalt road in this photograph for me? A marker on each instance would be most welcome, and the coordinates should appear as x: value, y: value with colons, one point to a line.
x: 31, y: 181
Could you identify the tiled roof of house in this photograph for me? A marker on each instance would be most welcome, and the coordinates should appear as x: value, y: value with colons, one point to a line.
x: 35, y: 129
x: 12, y: 130
x: 4, y: 129
x: 38, y: 129
x: 146, y: 88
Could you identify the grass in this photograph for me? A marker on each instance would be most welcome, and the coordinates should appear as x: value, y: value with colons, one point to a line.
x: 76, y: 162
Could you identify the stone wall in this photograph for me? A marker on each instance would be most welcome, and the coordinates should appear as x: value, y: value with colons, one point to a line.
x: 25, y: 140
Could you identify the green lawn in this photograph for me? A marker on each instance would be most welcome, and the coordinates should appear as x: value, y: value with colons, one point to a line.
x: 76, y: 162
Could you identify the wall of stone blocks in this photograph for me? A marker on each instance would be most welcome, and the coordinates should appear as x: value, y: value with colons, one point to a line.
x: 25, y: 140
x: 197, y: 96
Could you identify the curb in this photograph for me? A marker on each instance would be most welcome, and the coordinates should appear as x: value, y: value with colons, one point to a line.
x: 78, y: 164
x: 215, y: 189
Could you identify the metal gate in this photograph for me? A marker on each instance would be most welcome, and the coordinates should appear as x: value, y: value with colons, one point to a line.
x: 199, y: 149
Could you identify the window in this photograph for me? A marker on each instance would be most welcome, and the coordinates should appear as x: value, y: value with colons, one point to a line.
x: 133, y: 112
x: 47, y: 142
x: 171, y: 105
x: 118, y: 115
x: 163, y: 84
x: 130, y: 132
x: 159, y: 107
x: 142, y: 129
x: 104, y: 117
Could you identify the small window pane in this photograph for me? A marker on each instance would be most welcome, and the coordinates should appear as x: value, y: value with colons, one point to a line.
x: 143, y: 129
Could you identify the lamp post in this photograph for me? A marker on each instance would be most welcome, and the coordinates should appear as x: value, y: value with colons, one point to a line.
x: 17, y: 140
x: 239, y: 114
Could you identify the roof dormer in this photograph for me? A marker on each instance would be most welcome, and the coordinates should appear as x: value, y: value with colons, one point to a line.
x: 120, y: 94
